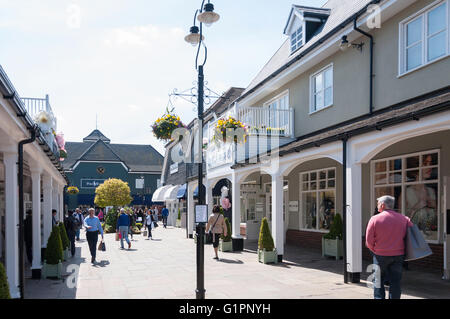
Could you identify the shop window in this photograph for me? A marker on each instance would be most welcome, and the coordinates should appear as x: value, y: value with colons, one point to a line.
x: 413, y: 180
x: 318, y: 199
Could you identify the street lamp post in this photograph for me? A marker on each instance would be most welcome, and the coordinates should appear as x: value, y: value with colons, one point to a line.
x: 207, y: 16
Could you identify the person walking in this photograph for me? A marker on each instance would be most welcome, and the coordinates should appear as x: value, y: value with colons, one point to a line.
x: 93, y: 227
x: 54, y: 221
x: 123, y: 224
x: 216, y: 224
x: 165, y: 215
x: 79, y: 221
x: 149, y: 224
x: 132, y: 224
x: 28, y: 236
x: 100, y: 215
x: 385, y: 237
x: 71, y: 228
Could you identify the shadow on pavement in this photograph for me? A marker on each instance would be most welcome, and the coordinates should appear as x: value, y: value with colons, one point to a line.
x: 230, y: 261
x: 101, y: 264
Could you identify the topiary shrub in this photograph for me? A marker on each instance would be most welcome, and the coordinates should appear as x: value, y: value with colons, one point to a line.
x: 54, y: 251
x: 4, y: 286
x: 227, y: 238
x: 335, y: 229
x: 179, y: 214
x: 64, y: 238
x: 111, y: 219
x: 265, y: 237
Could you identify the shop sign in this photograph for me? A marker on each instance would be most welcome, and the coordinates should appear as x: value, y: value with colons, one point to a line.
x: 91, y: 183
x: 293, y: 206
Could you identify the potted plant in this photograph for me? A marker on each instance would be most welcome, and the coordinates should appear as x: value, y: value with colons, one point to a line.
x: 53, y: 255
x: 65, y: 241
x: 231, y: 124
x: 225, y: 243
x: 267, y: 252
x: 332, y: 244
x: 4, y: 286
x: 165, y: 125
x: 178, y: 223
x: 72, y: 190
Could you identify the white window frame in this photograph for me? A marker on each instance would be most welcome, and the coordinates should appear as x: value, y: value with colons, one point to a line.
x: 403, y: 184
x: 301, y: 43
x: 300, y: 205
x: 402, y: 70
x: 277, y: 98
x: 312, y: 93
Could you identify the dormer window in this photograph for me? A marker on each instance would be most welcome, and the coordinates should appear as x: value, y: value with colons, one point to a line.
x: 297, y: 39
x: 303, y: 24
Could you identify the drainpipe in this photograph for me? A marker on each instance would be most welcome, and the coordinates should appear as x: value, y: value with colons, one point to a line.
x: 371, y: 62
x: 21, y: 211
x: 344, y: 205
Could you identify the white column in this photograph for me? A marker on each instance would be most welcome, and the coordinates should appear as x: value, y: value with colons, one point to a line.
x: 236, y: 207
x: 36, y: 182
x: 354, y: 208
x: 11, y: 221
x: 61, y: 203
x: 191, y: 208
x: 209, y: 197
x: 47, y: 213
x: 277, y: 213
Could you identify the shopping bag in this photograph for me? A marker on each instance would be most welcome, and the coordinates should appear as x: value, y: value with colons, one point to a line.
x: 415, y: 245
x: 101, y: 246
x: 155, y: 225
x: 145, y: 233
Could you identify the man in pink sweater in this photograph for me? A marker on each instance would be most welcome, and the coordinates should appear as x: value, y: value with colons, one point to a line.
x: 385, y: 237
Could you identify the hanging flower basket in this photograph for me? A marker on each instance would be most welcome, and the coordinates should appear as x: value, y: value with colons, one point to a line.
x: 232, y: 126
x: 72, y: 190
x: 164, y: 126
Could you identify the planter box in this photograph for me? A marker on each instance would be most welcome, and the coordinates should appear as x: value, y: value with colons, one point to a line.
x: 67, y: 254
x: 225, y: 245
x: 267, y: 257
x: 332, y: 248
x: 51, y: 270
x: 178, y: 223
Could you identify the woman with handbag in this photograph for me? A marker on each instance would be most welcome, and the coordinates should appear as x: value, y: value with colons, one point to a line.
x: 149, y: 224
x: 216, y: 226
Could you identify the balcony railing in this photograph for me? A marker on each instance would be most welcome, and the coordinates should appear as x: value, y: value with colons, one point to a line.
x: 36, y: 105
x: 267, y: 121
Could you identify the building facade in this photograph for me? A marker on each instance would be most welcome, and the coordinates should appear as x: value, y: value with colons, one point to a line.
x: 93, y: 161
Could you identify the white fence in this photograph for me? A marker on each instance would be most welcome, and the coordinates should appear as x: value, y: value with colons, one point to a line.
x: 267, y: 121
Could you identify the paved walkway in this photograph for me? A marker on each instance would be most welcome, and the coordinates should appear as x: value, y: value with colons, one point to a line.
x: 166, y: 268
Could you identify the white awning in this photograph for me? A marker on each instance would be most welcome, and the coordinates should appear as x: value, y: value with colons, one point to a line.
x: 158, y: 195
x: 171, y: 193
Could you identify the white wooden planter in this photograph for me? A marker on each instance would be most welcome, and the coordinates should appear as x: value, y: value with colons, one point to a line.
x: 332, y: 248
x: 52, y: 270
x: 225, y: 245
x: 67, y: 254
x: 267, y: 257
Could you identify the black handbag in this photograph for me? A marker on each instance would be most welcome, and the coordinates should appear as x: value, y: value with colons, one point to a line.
x: 102, y: 246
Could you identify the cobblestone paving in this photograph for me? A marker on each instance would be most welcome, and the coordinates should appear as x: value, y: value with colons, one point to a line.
x: 165, y: 268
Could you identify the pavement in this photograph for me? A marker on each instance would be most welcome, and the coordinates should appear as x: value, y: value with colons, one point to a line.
x: 165, y: 268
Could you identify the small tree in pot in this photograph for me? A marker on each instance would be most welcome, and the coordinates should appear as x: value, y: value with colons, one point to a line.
x: 65, y: 241
x: 332, y: 244
x: 53, y: 255
x: 266, y: 248
x: 4, y: 286
x: 225, y: 243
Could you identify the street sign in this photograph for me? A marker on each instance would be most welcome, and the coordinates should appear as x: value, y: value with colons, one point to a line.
x: 201, y: 214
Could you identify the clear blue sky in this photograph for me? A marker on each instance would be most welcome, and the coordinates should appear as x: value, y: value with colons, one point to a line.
x: 121, y: 59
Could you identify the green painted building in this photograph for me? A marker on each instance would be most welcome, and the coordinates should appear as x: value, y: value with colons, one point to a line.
x: 91, y: 162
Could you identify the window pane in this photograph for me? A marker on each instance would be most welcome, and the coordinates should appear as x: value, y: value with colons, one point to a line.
x: 414, y: 56
x: 331, y: 173
x: 319, y: 100
x: 294, y: 36
x: 380, y: 179
x: 305, y: 177
x: 318, y: 83
x: 305, y: 187
x: 309, y: 210
x: 430, y: 159
x: 380, y: 167
x: 328, y: 97
x: 313, y: 176
x: 328, y: 78
x: 326, y: 209
x: 313, y: 186
x: 323, y: 175
x: 412, y: 162
x: 429, y: 174
x: 421, y: 207
x: 394, y: 191
x: 323, y: 185
x: 414, y: 31
x: 412, y: 176
x: 331, y: 183
x: 395, y: 165
x: 395, y: 178
x: 437, y: 19
x: 437, y: 46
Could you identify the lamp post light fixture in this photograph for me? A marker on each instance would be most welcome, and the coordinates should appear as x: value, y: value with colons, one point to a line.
x: 207, y: 16
x: 344, y: 45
